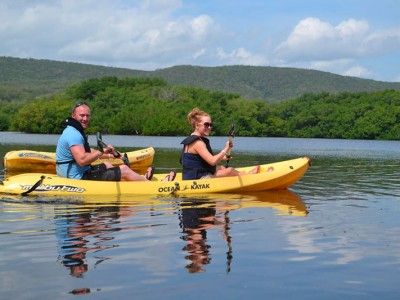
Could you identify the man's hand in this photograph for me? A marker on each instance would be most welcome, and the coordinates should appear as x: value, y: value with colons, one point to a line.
x: 109, y: 149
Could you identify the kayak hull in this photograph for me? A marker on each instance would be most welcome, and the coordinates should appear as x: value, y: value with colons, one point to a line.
x: 27, y: 161
x: 273, y: 176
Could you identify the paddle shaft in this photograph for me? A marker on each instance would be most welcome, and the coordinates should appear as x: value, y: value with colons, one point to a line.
x: 231, y: 135
x: 228, y: 153
x: 35, y: 186
x: 115, y: 153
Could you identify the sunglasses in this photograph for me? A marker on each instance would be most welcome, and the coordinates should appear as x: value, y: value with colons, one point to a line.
x: 77, y: 104
x: 80, y: 103
x: 207, y: 124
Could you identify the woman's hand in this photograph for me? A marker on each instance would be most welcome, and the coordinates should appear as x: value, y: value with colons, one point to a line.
x: 228, y: 147
x: 227, y: 150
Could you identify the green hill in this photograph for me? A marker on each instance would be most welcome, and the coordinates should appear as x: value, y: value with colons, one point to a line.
x: 269, y: 83
x: 29, y: 78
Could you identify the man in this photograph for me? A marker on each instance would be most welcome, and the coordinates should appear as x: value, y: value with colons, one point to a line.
x: 74, y: 156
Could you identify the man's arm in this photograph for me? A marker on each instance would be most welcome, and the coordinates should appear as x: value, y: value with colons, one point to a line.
x: 83, y: 158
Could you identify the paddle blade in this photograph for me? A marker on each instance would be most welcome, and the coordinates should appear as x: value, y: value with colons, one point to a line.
x: 125, y: 159
x: 100, y: 144
x: 232, y: 130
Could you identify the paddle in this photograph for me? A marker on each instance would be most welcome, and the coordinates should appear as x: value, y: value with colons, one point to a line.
x: 101, y: 145
x: 231, y: 135
x: 35, y: 186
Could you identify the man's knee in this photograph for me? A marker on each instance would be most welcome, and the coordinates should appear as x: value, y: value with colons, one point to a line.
x: 124, y: 169
x: 108, y: 165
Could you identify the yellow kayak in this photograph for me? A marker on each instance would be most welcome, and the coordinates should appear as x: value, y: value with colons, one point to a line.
x: 27, y: 161
x: 273, y: 176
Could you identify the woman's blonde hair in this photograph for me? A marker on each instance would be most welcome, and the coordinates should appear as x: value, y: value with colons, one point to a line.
x: 194, y: 116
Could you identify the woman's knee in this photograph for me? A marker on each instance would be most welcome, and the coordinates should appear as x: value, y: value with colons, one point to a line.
x: 233, y: 171
x: 226, y: 172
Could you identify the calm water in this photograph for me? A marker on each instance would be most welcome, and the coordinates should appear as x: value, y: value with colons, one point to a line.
x: 334, y: 235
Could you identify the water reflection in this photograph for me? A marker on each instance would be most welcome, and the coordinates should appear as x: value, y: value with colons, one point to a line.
x: 197, y: 216
x: 88, y: 229
x: 80, y: 231
x: 87, y: 226
x: 201, y: 214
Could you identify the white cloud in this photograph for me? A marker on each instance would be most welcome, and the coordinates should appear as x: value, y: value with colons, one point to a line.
x: 145, y: 34
x: 345, y: 67
x: 199, y: 53
x: 201, y: 26
x: 383, y: 42
x: 358, y: 71
x: 240, y: 56
x: 313, y: 39
x: 337, y: 64
x: 351, y: 29
x: 320, y: 45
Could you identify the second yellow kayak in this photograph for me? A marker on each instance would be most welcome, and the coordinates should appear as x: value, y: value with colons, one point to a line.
x: 27, y: 161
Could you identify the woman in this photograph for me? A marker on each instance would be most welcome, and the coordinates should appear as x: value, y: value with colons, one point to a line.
x: 197, y: 159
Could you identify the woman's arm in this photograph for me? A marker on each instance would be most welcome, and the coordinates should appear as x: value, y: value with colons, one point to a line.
x: 199, y: 147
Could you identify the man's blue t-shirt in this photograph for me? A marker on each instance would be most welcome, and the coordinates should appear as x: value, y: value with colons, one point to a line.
x: 70, y: 137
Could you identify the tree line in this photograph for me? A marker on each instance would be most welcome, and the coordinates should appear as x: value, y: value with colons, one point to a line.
x: 150, y: 106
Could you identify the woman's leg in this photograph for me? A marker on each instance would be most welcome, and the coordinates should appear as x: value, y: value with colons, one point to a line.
x: 225, y: 172
x: 255, y: 170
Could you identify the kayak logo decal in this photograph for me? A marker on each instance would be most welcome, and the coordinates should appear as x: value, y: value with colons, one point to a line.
x: 168, y: 189
x: 57, y: 187
x: 143, y: 156
x: 34, y: 155
x: 193, y: 186
x: 199, y: 186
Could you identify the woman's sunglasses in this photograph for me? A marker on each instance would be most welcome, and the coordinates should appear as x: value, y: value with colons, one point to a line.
x: 208, y: 124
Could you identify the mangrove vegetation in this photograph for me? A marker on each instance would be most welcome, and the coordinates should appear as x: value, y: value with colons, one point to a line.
x: 151, y: 106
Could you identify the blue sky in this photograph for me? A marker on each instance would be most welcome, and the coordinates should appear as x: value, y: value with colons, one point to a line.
x: 355, y: 37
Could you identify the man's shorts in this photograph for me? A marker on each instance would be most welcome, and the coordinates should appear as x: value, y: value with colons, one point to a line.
x: 100, y: 172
